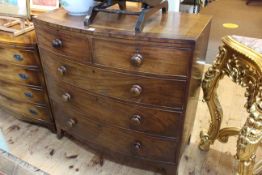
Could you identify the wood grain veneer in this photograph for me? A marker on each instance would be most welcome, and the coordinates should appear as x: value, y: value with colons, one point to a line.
x: 23, y: 91
x: 102, y: 75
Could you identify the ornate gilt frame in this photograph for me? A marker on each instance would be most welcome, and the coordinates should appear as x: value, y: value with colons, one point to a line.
x: 244, y: 66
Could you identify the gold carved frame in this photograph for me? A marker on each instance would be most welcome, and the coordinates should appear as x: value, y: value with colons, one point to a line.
x: 244, y: 66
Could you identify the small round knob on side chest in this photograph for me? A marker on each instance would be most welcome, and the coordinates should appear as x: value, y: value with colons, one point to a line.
x: 71, y: 123
x: 136, y: 90
x: 136, y: 119
x: 57, y: 43
x: 137, y: 60
x: 61, y: 70
x: 66, y: 97
x: 137, y: 146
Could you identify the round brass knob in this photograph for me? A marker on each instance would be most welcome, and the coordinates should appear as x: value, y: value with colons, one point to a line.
x: 57, y: 43
x: 136, y: 119
x: 61, y: 70
x: 71, y: 123
x: 137, y: 60
x: 136, y: 90
x: 66, y: 97
x: 137, y: 146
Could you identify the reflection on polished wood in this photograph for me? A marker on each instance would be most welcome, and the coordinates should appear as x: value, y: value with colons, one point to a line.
x: 244, y: 66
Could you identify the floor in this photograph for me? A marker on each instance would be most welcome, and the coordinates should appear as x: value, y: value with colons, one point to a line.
x: 247, y: 17
x: 39, y: 147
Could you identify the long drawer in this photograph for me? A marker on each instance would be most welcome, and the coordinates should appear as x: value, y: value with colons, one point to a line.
x: 145, y: 57
x: 18, y: 57
x: 112, y: 139
x: 115, y: 113
x: 20, y: 75
x: 23, y: 93
x: 128, y: 87
x: 26, y: 110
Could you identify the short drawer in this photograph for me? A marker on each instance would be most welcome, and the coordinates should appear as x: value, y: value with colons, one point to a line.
x: 153, y: 58
x: 113, y: 139
x: 128, y: 87
x: 25, y: 110
x: 26, y: 76
x: 23, y: 93
x: 18, y: 57
x: 115, y: 113
x: 62, y: 42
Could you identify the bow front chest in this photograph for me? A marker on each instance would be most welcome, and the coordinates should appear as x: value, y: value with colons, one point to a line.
x: 126, y: 94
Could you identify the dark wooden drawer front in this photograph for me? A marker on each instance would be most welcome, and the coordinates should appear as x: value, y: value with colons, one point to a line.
x: 23, y: 93
x: 20, y: 75
x: 128, y: 87
x: 64, y: 43
x: 18, y: 57
x: 155, y: 58
x: 112, y: 112
x: 26, y: 110
x: 113, y: 139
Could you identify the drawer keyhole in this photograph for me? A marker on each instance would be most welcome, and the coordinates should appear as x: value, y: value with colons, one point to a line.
x: 33, y: 112
x: 28, y: 94
x: 23, y: 76
x: 18, y: 57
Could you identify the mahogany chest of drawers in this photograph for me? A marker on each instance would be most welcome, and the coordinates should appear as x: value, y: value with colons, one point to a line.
x: 22, y: 85
x: 130, y: 95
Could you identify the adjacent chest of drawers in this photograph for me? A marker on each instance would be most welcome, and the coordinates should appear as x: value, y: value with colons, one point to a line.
x: 128, y: 95
x: 22, y: 85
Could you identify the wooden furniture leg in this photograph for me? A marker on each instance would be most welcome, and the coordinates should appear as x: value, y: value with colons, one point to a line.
x: 239, y: 59
x: 249, y: 140
x: 209, y: 86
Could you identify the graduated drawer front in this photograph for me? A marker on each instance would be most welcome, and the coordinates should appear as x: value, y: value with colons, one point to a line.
x: 146, y: 57
x: 113, y: 139
x: 23, y: 93
x: 26, y: 110
x: 128, y: 87
x: 114, y: 113
x: 63, y: 42
x: 18, y: 57
x: 20, y: 75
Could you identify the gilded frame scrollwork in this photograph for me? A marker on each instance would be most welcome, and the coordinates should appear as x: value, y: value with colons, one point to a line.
x: 244, y: 66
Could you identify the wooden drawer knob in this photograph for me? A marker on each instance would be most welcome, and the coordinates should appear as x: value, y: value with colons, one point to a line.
x: 137, y: 146
x: 66, y: 97
x: 136, y: 119
x: 71, y: 123
x: 136, y: 90
x: 137, y: 60
x: 18, y: 57
x: 61, y: 70
x: 57, y: 43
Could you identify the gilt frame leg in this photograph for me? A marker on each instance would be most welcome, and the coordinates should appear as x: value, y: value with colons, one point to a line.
x: 209, y: 86
x: 249, y: 140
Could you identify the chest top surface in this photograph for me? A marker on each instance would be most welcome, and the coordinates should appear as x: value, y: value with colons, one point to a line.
x: 164, y: 27
x: 27, y: 39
